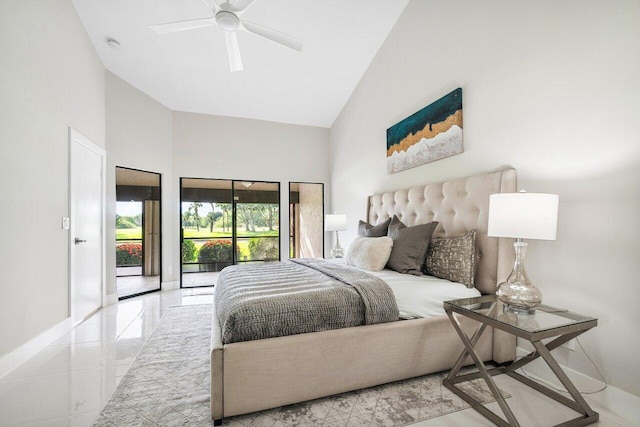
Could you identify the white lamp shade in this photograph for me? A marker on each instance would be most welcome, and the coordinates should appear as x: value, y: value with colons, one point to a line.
x: 335, y: 222
x: 523, y: 215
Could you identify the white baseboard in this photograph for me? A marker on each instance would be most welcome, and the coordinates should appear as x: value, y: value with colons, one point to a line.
x: 111, y: 299
x: 17, y: 357
x: 613, y: 399
x: 171, y: 286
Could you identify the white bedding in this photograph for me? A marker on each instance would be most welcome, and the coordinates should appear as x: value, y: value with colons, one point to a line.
x: 422, y: 296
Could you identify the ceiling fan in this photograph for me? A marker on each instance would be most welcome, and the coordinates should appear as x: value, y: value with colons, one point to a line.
x: 226, y: 15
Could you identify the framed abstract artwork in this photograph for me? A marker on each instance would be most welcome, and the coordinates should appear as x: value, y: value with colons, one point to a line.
x: 431, y: 134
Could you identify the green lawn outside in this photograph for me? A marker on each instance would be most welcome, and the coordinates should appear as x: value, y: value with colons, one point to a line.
x: 128, y: 233
x: 204, y: 233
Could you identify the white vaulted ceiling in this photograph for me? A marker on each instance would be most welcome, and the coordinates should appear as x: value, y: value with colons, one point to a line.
x: 189, y: 70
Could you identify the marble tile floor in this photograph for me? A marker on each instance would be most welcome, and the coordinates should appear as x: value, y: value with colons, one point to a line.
x: 190, y: 280
x: 531, y: 409
x: 68, y: 382
x: 131, y: 285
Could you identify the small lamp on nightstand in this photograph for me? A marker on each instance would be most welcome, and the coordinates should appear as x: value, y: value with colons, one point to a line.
x: 522, y: 216
x: 336, y: 222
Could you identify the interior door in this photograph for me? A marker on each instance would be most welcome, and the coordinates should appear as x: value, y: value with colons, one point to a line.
x: 86, y: 210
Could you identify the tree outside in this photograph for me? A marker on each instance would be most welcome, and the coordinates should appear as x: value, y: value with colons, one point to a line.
x: 128, y: 234
x: 203, y: 223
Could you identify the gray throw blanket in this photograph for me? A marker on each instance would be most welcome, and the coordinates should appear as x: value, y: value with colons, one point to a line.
x: 298, y: 296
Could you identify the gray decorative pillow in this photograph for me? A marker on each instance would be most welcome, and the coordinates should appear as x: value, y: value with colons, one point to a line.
x: 453, y: 258
x: 409, y: 246
x: 367, y: 230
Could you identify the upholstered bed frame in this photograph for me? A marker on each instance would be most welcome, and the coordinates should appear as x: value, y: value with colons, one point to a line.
x: 256, y: 375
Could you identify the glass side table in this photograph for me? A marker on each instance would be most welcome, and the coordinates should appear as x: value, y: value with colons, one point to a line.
x: 546, y: 322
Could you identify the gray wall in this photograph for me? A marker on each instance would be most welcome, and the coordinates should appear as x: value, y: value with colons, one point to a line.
x: 50, y: 79
x: 551, y: 89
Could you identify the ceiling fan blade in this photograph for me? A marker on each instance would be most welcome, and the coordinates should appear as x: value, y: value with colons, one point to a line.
x: 173, y: 27
x: 273, y: 35
x: 233, y: 50
x: 210, y: 4
x: 236, y: 5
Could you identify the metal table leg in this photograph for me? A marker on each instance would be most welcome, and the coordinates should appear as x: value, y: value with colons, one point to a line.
x: 450, y: 383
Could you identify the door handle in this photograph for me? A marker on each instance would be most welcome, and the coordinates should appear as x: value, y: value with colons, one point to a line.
x: 78, y: 241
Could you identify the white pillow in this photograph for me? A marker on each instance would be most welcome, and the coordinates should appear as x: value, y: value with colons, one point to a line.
x: 369, y: 253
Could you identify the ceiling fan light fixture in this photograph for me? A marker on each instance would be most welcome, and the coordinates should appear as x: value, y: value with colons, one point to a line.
x: 227, y: 21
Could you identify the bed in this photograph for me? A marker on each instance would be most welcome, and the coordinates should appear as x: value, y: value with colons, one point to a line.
x: 266, y: 373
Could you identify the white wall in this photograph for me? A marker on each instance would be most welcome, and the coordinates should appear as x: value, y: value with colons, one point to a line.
x: 143, y: 134
x: 207, y: 146
x: 138, y: 133
x: 50, y: 79
x: 551, y: 89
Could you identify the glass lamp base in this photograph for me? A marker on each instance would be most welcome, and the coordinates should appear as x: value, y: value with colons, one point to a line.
x: 517, y: 310
x: 337, y: 252
x: 519, y: 297
x: 518, y: 293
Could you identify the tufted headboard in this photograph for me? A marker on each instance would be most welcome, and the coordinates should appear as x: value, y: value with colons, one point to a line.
x: 459, y: 206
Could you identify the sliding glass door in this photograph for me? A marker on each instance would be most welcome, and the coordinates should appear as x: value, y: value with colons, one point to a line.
x: 257, y: 221
x: 206, y: 229
x: 138, y: 237
x: 226, y: 222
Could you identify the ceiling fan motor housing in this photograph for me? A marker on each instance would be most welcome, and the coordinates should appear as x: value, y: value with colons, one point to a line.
x: 227, y: 21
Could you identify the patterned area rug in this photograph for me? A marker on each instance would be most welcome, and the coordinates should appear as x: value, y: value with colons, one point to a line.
x: 168, y: 385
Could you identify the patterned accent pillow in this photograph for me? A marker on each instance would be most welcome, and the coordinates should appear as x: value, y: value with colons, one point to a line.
x: 367, y: 230
x: 453, y: 258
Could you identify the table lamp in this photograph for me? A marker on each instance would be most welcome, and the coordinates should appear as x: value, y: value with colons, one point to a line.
x: 336, y: 222
x: 522, y: 216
